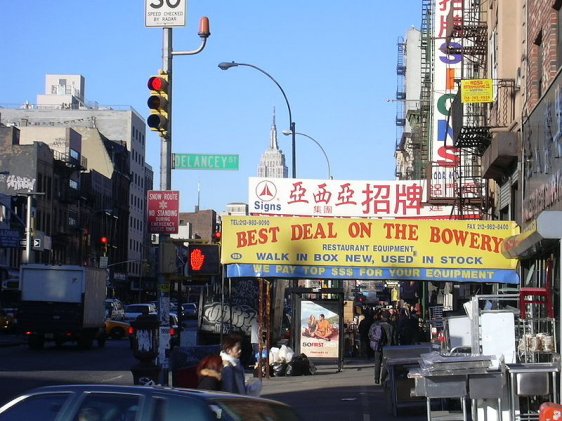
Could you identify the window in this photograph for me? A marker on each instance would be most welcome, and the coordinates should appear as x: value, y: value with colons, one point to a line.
x: 45, y: 407
x: 112, y: 406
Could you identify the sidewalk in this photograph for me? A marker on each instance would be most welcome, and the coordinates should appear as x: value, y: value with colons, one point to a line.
x: 329, y: 392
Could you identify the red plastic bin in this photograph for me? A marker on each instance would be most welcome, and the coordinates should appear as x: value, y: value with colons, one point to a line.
x: 550, y: 411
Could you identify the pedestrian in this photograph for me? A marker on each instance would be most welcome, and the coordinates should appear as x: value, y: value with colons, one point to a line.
x: 255, y: 341
x: 232, y: 375
x: 364, y: 326
x: 233, y: 379
x: 391, y: 334
x: 209, y: 373
x: 407, y: 327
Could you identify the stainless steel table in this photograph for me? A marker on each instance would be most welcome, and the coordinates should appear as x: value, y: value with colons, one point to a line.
x: 531, y: 379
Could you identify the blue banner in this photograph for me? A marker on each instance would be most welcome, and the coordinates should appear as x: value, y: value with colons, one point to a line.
x: 505, y: 276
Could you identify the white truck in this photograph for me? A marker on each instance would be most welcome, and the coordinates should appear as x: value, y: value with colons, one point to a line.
x: 62, y: 303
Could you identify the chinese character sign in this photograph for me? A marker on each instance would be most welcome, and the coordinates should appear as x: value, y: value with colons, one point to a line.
x: 342, y: 198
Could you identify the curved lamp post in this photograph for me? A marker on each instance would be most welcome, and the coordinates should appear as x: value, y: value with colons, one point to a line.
x: 288, y: 132
x: 228, y: 65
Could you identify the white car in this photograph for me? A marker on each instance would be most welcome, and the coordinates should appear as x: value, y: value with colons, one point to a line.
x: 132, y: 311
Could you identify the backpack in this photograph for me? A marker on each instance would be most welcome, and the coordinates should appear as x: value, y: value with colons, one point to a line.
x: 377, y: 335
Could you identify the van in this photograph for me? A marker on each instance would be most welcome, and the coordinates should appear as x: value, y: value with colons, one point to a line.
x: 114, y: 309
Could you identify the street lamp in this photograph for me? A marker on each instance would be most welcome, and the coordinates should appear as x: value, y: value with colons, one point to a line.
x: 288, y: 132
x: 228, y: 65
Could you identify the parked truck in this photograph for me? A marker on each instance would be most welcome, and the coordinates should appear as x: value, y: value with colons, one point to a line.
x: 61, y: 304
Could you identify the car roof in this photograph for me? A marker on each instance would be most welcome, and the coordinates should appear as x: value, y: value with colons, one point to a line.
x: 145, y: 390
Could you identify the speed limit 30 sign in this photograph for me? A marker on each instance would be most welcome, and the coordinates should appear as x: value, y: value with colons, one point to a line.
x: 165, y: 13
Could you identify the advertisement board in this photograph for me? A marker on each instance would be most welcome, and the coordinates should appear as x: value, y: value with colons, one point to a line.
x: 340, y: 248
x: 342, y: 198
x: 320, y: 331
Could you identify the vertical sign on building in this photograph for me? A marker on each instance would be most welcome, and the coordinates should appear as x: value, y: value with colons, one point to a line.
x: 163, y: 211
x: 447, y: 69
x: 165, y: 13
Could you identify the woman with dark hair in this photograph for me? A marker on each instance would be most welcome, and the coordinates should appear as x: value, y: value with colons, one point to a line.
x: 209, y: 373
x: 233, y: 377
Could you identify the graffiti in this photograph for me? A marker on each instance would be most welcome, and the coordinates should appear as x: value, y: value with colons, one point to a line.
x: 17, y: 183
x: 241, y: 321
x: 245, y: 293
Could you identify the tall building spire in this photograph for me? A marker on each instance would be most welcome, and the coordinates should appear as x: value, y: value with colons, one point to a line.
x: 272, y: 163
x: 273, y: 140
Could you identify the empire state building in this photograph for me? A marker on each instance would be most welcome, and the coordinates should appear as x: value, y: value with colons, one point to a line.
x: 272, y: 163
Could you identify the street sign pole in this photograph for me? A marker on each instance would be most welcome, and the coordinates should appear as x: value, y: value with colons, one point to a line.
x: 166, y: 179
x: 165, y: 184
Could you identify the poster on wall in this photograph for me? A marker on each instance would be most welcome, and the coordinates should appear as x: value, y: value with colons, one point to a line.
x: 319, y: 334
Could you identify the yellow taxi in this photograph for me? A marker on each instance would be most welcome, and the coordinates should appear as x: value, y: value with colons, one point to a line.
x: 117, y: 329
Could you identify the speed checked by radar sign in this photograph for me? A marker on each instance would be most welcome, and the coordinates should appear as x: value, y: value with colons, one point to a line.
x: 165, y: 13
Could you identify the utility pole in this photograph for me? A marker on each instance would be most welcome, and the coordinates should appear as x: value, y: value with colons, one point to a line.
x: 167, y: 248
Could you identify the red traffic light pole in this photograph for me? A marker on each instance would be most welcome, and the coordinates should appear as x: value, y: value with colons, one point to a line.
x: 166, y: 184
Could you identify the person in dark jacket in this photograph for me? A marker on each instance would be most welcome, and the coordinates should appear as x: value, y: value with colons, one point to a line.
x: 364, y: 327
x: 233, y: 377
x: 209, y: 373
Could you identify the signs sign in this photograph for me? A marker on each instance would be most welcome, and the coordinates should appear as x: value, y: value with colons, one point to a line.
x: 476, y: 91
x: 165, y: 13
x: 344, y: 198
x: 9, y: 238
x: 339, y: 248
x: 163, y: 211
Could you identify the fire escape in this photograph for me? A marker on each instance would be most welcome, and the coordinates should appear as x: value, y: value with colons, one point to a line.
x: 476, y: 125
x: 403, y: 151
x: 421, y: 133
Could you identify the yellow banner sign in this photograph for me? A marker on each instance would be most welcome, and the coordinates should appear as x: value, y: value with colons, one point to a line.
x: 476, y: 91
x: 366, y: 242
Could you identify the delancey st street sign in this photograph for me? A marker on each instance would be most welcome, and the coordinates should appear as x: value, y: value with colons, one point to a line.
x: 188, y: 161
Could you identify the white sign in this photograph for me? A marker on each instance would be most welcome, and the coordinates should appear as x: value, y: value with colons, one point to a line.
x: 343, y: 198
x: 104, y: 260
x: 165, y: 13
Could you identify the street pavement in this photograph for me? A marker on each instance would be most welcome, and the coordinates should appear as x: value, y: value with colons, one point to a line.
x: 328, y: 393
x: 10, y: 339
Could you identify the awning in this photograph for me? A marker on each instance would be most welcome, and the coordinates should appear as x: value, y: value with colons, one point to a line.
x: 547, y: 226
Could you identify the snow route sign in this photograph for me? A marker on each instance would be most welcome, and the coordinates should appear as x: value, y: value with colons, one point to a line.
x: 163, y: 211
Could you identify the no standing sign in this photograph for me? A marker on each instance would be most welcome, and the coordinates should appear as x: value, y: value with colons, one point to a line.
x: 165, y: 13
x: 163, y: 211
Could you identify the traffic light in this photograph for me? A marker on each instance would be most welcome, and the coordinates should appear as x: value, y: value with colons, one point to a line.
x: 104, y: 241
x: 203, y: 259
x: 158, y: 104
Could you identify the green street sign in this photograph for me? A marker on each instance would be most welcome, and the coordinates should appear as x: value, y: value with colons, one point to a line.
x: 190, y: 161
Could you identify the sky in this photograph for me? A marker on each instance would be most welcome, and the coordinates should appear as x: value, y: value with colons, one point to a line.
x: 335, y: 60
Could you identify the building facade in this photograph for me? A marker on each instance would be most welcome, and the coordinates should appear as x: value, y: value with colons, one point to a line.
x: 113, y: 145
x: 63, y: 105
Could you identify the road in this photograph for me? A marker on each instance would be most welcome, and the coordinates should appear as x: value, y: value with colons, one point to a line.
x: 22, y: 368
x: 329, y: 394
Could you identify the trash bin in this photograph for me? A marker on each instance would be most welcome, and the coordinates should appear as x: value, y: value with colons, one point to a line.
x: 145, y: 349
